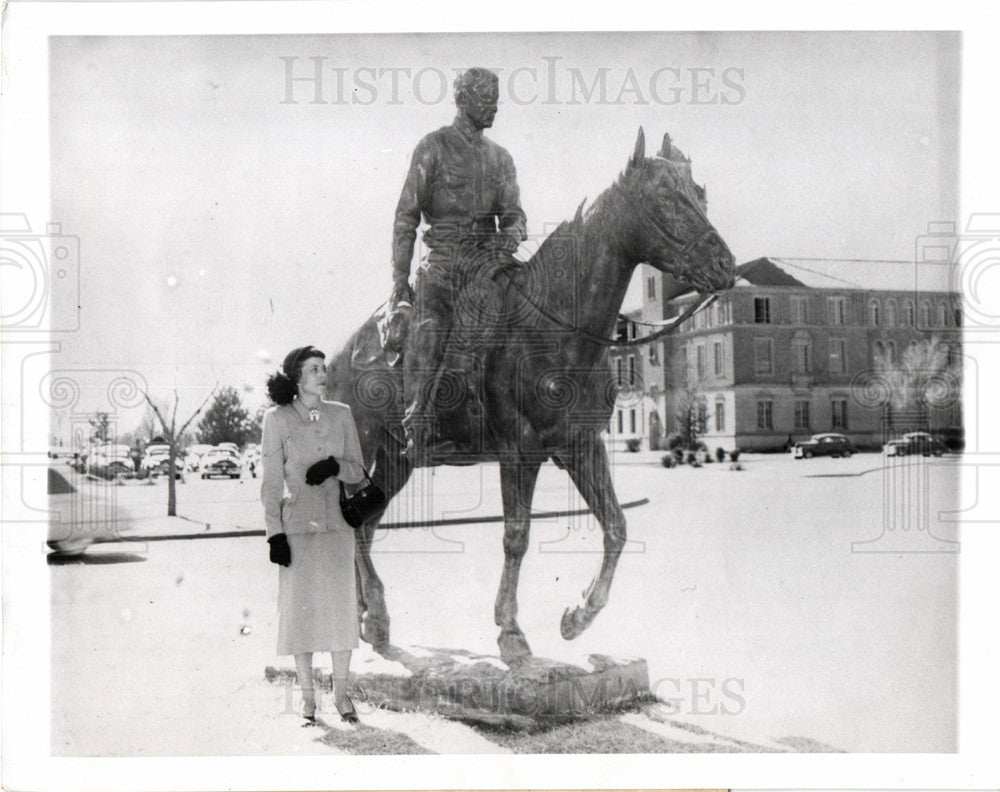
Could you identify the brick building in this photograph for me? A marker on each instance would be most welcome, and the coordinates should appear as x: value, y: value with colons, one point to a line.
x: 791, y: 350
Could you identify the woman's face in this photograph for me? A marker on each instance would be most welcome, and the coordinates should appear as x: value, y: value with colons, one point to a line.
x: 313, y: 378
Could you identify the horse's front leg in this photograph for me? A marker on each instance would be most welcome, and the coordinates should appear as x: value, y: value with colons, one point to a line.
x: 391, y: 473
x: 587, y: 466
x: 517, y: 482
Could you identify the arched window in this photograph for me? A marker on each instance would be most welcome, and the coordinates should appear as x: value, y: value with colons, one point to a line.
x: 873, y: 312
x: 942, y: 315
x: 890, y: 313
x: 908, y: 314
x: 925, y: 314
x: 878, y: 354
x: 801, y: 353
x: 890, y: 352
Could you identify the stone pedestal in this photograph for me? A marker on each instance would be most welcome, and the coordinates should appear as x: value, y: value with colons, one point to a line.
x: 480, y: 688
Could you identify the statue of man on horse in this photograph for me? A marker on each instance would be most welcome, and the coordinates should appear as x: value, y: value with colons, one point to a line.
x: 464, y: 186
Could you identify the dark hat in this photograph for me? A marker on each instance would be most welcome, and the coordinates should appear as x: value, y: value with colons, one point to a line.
x: 296, y: 357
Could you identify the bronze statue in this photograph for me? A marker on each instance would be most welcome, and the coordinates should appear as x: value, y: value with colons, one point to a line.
x: 548, y: 388
x: 464, y: 187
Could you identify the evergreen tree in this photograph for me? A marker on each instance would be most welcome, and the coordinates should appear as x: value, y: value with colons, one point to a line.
x: 226, y: 421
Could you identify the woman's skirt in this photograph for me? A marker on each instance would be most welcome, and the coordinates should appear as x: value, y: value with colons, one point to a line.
x: 317, y: 598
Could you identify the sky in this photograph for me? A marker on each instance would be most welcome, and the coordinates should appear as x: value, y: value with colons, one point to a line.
x: 230, y: 207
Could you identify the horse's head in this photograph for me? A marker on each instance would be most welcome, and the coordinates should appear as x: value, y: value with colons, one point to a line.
x: 671, y: 230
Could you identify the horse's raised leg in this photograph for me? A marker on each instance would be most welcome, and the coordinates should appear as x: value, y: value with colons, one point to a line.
x: 391, y: 473
x: 517, y: 482
x: 588, y: 468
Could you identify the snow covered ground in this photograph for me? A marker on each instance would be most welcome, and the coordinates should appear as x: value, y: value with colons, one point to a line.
x: 780, y: 607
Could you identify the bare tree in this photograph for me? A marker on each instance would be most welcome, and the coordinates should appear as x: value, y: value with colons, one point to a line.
x: 173, y: 435
x: 924, y: 378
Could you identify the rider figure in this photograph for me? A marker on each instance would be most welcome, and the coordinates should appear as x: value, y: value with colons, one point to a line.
x: 464, y: 187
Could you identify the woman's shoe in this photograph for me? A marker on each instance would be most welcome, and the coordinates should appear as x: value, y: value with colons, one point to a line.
x: 351, y: 716
x: 309, y: 712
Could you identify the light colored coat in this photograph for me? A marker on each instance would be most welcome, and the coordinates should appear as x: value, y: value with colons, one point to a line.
x: 290, y: 445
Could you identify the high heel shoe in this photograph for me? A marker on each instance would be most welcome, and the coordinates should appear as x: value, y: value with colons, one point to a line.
x: 351, y: 716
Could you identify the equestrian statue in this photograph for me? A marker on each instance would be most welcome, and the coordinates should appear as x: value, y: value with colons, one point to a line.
x: 523, y: 373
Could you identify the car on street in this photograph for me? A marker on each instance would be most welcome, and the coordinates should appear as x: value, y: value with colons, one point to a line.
x: 923, y: 443
x: 220, y: 462
x: 81, y: 514
x: 829, y: 444
x: 156, y: 462
x: 111, y: 460
x: 193, y: 455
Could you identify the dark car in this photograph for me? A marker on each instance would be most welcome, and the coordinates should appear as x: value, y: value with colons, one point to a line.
x: 915, y: 443
x: 830, y: 444
x: 220, y: 462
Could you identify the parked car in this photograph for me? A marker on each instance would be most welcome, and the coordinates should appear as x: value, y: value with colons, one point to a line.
x: 220, y: 462
x: 80, y: 514
x: 829, y: 444
x: 156, y: 462
x: 111, y: 460
x: 192, y: 458
x: 915, y: 443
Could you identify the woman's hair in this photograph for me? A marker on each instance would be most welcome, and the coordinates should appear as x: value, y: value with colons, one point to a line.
x: 282, y: 386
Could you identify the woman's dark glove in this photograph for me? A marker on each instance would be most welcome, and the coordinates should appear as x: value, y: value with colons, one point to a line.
x: 322, y: 470
x: 281, y: 553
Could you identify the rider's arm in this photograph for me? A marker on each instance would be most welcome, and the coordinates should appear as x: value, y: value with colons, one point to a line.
x: 510, y: 215
x: 412, y: 201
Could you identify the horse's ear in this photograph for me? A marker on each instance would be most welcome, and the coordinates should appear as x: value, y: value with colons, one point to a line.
x: 666, y: 147
x: 639, y: 153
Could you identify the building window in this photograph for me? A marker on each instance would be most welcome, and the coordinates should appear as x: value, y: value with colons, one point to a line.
x: 838, y: 310
x: 717, y: 350
x: 908, y: 314
x: 700, y: 353
x: 763, y: 356
x: 925, y: 314
x: 838, y: 413
x: 764, y: 413
x: 631, y: 370
x: 958, y: 316
x: 802, y: 416
x: 720, y: 415
x: 701, y: 417
x: 654, y: 355
x: 838, y: 355
x: 651, y: 287
x: 890, y: 313
x: 942, y: 315
x: 873, y: 313
x: 631, y: 421
x: 723, y: 312
x: 800, y: 310
x: 801, y: 353
x: 762, y: 310
x: 878, y: 354
x: 890, y: 352
x: 618, y: 372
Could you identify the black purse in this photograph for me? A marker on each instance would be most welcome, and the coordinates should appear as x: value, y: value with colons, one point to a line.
x: 363, y: 504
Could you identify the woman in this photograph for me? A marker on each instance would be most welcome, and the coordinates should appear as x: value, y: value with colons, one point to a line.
x: 309, y: 447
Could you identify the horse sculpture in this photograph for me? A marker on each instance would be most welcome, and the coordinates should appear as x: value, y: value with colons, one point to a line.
x: 545, y: 385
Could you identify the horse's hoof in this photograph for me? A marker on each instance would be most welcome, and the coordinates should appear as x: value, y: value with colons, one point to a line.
x: 573, y: 623
x: 513, y: 647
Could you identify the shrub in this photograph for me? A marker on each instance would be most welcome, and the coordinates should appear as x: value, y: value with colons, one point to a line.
x: 734, y: 455
x: 720, y: 454
x: 675, y: 441
x: 632, y: 445
x: 668, y: 461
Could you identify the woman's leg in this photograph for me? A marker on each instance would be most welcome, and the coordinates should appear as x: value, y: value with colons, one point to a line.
x: 304, y: 671
x: 341, y: 671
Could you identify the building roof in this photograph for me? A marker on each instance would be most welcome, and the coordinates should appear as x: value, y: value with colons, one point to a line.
x: 817, y: 273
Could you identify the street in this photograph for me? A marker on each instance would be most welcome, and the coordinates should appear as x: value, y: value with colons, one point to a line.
x: 780, y: 607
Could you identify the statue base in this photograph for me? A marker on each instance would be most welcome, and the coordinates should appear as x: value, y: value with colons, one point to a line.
x: 480, y: 688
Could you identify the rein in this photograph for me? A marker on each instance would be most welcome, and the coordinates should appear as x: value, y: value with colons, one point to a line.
x: 704, y: 300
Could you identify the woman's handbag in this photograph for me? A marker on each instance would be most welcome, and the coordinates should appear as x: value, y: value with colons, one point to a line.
x: 363, y: 504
